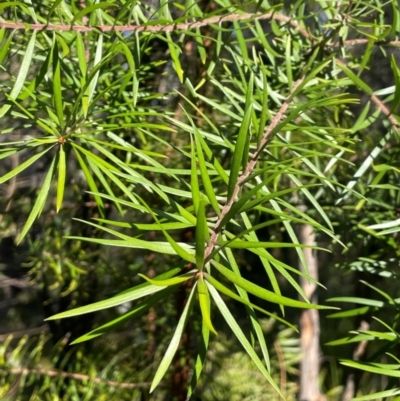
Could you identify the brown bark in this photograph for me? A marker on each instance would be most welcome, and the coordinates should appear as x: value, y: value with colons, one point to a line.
x: 309, y: 324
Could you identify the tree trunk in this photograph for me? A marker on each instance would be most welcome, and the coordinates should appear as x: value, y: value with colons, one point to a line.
x: 309, y: 323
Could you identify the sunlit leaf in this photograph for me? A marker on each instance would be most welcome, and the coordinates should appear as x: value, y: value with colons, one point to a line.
x: 39, y: 203
x: 201, y: 235
x: 23, y: 166
x: 22, y: 73
x: 204, y: 300
x: 62, y: 171
x: 127, y: 296
x: 136, y: 311
x: 174, y: 343
x: 262, y: 292
x: 168, y: 282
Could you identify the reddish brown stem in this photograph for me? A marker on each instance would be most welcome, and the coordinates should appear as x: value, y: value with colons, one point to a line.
x: 157, y: 28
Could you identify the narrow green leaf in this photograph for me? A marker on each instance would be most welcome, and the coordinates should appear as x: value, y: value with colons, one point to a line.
x: 40, y: 202
x: 201, y: 234
x: 62, y: 171
x: 57, y: 92
x: 5, y: 46
x: 208, y: 187
x: 41, y: 122
x: 248, y: 104
x: 349, y: 340
x: 382, y: 293
x: 380, y: 336
x: 360, y: 301
x: 367, y: 52
x: 385, y: 225
x: 132, y: 66
x: 91, y: 9
x: 99, y: 171
x: 31, y: 11
x: 135, y: 312
x: 238, y: 153
x: 237, y: 244
x: 313, y: 201
x: 194, y: 182
x: 13, y: 3
x: 244, y: 300
x: 204, y: 300
x: 396, y: 73
x: 269, y: 50
x: 53, y: 8
x: 395, y: 24
x: 131, y: 242
x: 178, y: 249
x: 176, y: 64
x: 90, y: 181
x: 146, y: 227
x: 80, y: 48
x: 263, y: 293
x: 200, y: 359
x: 371, y: 367
x: 379, y: 395
x: 200, y: 46
x: 288, y: 54
x: 175, y: 246
x: 265, y: 114
x: 244, y: 203
x: 249, y: 309
x: 108, y: 169
x: 97, y: 59
x: 170, y: 281
x: 241, y: 40
x: 350, y: 313
x: 219, y: 169
x: 22, y: 74
x: 23, y: 166
x: 358, y: 82
x: 264, y: 261
x: 282, y: 268
x: 225, y: 312
x: 127, y: 296
x: 173, y: 345
x: 308, y: 78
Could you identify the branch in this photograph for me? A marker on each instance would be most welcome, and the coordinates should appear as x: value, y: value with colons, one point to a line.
x: 249, y: 169
x: 75, y: 376
x: 380, y: 105
x: 168, y: 27
x: 171, y: 27
x: 22, y: 333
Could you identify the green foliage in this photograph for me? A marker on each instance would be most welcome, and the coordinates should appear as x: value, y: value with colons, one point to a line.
x: 229, y: 127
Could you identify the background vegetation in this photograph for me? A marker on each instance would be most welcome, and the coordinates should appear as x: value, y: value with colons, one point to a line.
x: 174, y: 170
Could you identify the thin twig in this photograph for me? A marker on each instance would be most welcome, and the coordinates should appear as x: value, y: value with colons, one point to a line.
x: 382, y: 107
x: 75, y: 376
x: 168, y: 27
x: 22, y: 333
x: 249, y: 169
